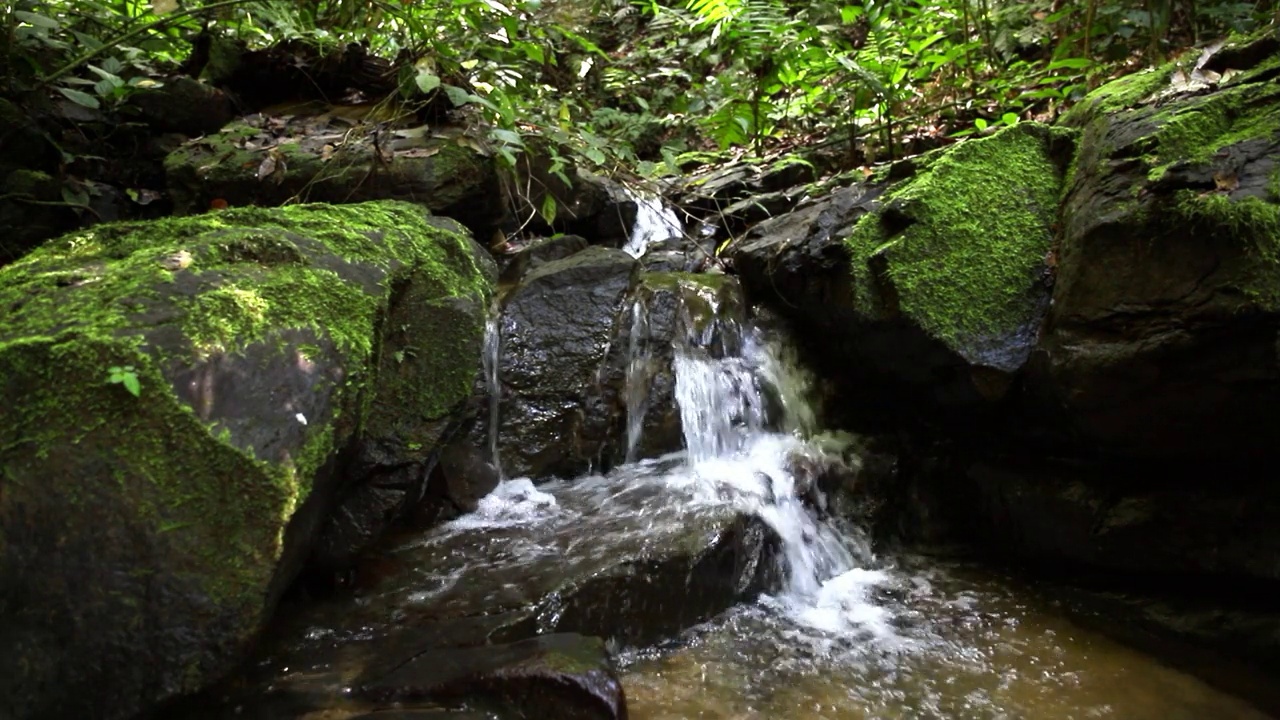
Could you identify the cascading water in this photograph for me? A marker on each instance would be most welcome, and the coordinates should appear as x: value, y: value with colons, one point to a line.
x: 654, y: 222
x: 638, y: 555
x: 639, y: 357
x: 490, y: 363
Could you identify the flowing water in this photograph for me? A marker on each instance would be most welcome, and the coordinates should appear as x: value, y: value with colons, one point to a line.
x: 655, y: 222
x: 850, y: 635
x: 843, y: 635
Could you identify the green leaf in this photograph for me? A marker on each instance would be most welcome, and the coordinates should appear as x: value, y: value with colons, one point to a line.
x: 549, y: 208
x: 849, y: 13
x: 1009, y: 118
x: 37, y: 20
x: 980, y: 124
x: 131, y: 384
x: 509, y: 137
x: 457, y: 95
x: 1073, y: 63
x: 80, y: 98
x: 427, y: 82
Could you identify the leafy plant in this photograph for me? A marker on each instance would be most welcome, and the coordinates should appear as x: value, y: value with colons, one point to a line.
x: 126, y: 376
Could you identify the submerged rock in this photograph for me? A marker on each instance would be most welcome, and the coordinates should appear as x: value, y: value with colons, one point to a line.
x: 615, y: 557
x: 176, y: 396
x: 560, y: 675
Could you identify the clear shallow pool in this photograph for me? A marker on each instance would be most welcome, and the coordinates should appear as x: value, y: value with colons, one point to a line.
x: 964, y: 645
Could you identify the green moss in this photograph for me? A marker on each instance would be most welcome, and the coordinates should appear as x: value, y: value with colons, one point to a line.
x: 114, y: 295
x: 960, y: 246
x: 31, y: 182
x: 217, y: 506
x: 1119, y: 94
x: 1253, y: 223
x: 1195, y: 132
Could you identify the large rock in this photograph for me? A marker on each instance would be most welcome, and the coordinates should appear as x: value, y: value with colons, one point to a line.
x: 627, y: 558
x: 923, y: 297
x: 248, y: 164
x: 556, y: 416
x: 177, y: 396
x: 562, y: 676
x: 1162, y: 337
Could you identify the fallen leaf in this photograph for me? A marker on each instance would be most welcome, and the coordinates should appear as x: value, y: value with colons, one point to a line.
x: 267, y: 167
x: 218, y: 204
x: 177, y: 261
x: 1225, y: 182
x: 326, y: 152
x: 163, y: 7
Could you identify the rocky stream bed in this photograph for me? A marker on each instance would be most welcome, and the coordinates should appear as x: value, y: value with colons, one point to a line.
x: 985, y: 434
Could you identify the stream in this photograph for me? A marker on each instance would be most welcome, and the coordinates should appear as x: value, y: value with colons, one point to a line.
x: 817, y: 626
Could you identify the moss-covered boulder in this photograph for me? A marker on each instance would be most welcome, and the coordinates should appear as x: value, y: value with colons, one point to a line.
x: 922, y: 291
x: 1161, y: 340
x: 177, y: 399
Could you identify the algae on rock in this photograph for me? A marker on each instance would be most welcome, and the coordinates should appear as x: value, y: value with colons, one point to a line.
x: 144, y: 540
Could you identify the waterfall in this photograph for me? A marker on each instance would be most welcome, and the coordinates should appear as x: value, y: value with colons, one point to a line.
x: 490, y: 362
x: 654, y: 222
x: 639, y: 357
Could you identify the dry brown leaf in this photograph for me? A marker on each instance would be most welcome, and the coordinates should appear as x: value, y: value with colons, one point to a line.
x: 1225, y: 181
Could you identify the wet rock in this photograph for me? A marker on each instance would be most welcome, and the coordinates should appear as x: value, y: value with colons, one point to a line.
x: 670, y: 313
x: 556, y: 417
x: 1157, y: 524
x: 539, y: 253
x: 177, y: 396
x: 923, y: 299
x: 429, y: 343
x: 617, y: 557
x: 756, y: 208
x: 1162, y: 337
x: 560, y: 675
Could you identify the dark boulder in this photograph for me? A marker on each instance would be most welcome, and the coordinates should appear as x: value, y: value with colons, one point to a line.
x: 556, y: 416
x: 539, y: 253
x: 923, y: 298
x: 1161, y: 340
x: 178, y: 398
x: 553, y: 676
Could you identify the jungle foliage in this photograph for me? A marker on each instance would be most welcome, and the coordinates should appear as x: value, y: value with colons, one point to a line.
x: 647, y: 84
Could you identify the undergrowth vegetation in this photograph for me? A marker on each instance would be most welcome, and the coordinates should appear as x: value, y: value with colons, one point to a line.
x: 648, y: 85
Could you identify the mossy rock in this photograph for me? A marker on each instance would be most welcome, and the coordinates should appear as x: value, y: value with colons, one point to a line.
x: 177, y: 395
x: 960, y: 249
x: 1162, y: 332
x: 445, y: 176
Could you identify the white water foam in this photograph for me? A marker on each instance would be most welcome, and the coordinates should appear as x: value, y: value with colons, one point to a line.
x: 654, y: 222
x: 514, y: 502
x: 748, y: 425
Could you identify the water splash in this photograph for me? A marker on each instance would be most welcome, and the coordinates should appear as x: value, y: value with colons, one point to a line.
x: 654, y: 222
